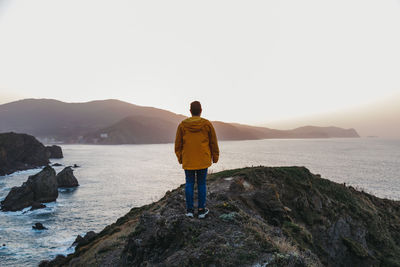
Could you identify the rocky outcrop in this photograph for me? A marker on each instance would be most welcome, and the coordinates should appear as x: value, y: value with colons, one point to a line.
x: 283, y: 216
x: 41, y: 187
x: 86, y: 239
x: 66, y: 178
x: 38, y: 226
x: 54, y: 152
x: 20, y: 152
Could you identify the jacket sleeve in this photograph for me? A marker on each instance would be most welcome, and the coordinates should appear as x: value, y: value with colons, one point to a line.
x: 214, y: 144
x: 179, y: 144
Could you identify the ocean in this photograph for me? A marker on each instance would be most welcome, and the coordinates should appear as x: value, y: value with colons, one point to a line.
x: 113, y: 179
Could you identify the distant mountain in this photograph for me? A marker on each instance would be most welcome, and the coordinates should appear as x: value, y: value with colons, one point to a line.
x: 321, y: 132
x: 376, y: 119
x: 135, y: 130
x: 48, y: 118
x: 142, y: 130
x: 118, y: 122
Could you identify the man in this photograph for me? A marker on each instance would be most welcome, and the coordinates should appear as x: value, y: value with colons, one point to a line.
x: 196, y: 147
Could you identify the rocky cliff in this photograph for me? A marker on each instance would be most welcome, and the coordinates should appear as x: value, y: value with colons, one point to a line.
x: 259, y: 216
x: 21, y: 152
x: 39, y: 188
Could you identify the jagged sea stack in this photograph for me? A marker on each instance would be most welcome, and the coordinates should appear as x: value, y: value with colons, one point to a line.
x: 41, y: 187
x: 66, y: 178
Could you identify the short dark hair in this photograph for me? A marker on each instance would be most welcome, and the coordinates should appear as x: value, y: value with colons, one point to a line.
x: 195, y: 108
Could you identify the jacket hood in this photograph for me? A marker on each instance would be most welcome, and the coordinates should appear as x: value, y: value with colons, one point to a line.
x: 194, y: 124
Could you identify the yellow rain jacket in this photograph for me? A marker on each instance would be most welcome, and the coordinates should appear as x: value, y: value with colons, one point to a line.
x: 196, y: 144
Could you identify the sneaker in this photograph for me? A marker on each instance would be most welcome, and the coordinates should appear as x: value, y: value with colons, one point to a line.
x: 190, y: 213
x: 203, y: 213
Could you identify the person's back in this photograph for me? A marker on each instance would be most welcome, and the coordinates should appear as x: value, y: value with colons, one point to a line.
x: 196, y: 147
x: 197, y: 143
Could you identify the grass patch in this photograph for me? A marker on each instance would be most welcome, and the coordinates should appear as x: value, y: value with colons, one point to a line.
x: 355, y: 247
x: 298, y: 233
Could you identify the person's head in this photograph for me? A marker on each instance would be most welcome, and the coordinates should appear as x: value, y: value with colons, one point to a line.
x: 195, y: 108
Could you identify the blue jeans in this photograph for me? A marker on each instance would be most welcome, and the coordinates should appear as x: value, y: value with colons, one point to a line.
x: 201, y: 187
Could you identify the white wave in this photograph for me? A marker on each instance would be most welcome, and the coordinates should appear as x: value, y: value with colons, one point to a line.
x: 64, y: 248
x: 50, y: 208
x: 66, y: 190
x: 39, y: 231
x: 16, y: 213
x: 68, y: 250
x: 24, y: 172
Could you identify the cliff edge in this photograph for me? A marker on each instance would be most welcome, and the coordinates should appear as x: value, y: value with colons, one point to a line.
x: 259, y: 216
x: 21, y: 152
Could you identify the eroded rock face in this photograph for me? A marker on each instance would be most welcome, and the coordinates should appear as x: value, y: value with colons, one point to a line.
x: 66, y: 178
x: 41, y: 187
x: 258, y: 216
x: 54, y: 152
x: 18, y: 198
x: 20, y: 152
x: 86, y: 239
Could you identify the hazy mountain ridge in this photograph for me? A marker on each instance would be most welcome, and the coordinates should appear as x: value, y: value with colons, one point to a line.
x: 67, y: 121
x: 135, y: 130
x: 375, y: 119
x: 144, y: 129
x: 117, y: 122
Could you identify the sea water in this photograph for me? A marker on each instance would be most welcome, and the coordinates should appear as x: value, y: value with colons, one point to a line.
x: 113, y: 179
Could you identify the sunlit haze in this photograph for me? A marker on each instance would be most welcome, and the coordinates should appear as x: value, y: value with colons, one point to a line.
x: 247, y: 61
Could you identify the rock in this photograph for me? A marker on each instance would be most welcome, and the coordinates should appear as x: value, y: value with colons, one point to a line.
x: 76, y: 166
x: 229, y: 216
x: 56, y: 165
x: 18, y: 198
x: 278, y: 216
x: 59, y: 259
x: 54, y: 152
x: 44, y: 185
x: 82, y: 241
x: 20, y: 152
x: 41, y: 187
x: 36, y: 206
x: 66, y: 178
x: 38, y: 226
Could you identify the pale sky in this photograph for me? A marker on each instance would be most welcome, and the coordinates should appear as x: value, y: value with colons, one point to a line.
x: 246, y: 61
